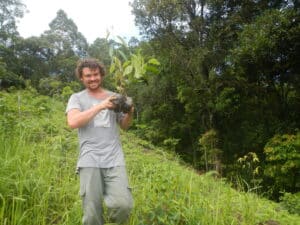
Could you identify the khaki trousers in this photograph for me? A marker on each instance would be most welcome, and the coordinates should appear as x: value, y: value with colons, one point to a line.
x: 108, y: 186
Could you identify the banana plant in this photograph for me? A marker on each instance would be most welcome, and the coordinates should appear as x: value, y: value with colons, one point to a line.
x: 128, y: 69
x: 132, y: 68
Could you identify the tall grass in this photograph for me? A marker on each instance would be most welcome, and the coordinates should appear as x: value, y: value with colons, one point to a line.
x: 167, y: 192
x: 37, y: 181
x: 38, y: 185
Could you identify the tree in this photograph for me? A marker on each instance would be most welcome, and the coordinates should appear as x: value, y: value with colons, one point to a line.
x: 211, y: 154
x: 65, y: 37
x: 67, y: 46
x: 10, y: 10
x: 34, y: 53
x: 8, y: 78
x: 204, y: 82
x: 179, y: 34
x: 100, y: 49
x: 268, y: 61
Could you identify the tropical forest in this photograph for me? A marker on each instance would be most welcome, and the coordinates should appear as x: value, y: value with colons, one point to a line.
x: 216, y: 133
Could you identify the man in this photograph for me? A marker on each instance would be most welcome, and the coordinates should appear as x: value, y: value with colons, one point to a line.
x: 101, y: 162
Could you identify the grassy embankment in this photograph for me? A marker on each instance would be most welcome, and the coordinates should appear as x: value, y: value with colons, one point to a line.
x: 38, y: 185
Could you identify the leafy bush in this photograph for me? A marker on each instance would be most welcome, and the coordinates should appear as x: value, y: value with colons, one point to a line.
x: 291, y: 202
x: 283, y: 162
x: 50, y: 86
x: 8, y: 78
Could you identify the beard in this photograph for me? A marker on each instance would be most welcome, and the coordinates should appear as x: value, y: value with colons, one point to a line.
x: 93, y: 85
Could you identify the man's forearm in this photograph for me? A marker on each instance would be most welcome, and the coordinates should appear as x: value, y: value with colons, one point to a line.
x: 126, y: 121
x: 77, y: 119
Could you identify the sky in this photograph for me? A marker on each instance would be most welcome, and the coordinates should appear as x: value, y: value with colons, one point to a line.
x: 92, y: 17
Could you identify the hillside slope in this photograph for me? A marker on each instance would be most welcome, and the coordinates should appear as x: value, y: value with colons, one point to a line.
x: 38, y: 185
x: 167, y: 192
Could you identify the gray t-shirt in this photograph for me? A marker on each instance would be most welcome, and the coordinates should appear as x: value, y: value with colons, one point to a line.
x: 99, y: 140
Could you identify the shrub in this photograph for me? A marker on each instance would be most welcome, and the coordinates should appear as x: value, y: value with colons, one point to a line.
x: 291, y: 202
x: 283, y: 162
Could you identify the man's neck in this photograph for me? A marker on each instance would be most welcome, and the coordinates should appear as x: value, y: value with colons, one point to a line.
x: 97, y: 93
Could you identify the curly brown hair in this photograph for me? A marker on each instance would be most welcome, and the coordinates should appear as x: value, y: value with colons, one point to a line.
x: 89, y: 63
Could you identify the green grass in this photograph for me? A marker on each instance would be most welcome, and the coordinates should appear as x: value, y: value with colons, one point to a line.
x: 167, y: 192
x: 38, y: 185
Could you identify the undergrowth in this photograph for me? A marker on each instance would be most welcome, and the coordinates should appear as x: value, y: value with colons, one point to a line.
x: 38, y: 185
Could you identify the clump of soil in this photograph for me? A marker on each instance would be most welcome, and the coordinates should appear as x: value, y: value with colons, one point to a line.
x: 123, y: 103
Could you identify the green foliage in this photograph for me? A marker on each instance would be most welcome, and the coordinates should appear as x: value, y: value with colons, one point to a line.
x: 38, y: 184
x: 171, y: 143
x: 178, y: 195
x: 227, y: 101
x: 210, y: 152
x: 228, y: 66
x: 249, y: 175
x: 50, y: 86
x: 291, y: 202
x: 132, y: 68
x: 68, y: 90
x: 33, y: 53
x: 282, y: 162
x: 269, y: 53
x: 8, y: 78
x: 100, y: 49
x: 65, y: 37
x: 37, y: 161
x: 66, y: 93
x: 10, y: 11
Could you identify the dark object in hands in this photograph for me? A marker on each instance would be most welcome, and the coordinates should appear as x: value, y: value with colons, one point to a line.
x: 123, y: 103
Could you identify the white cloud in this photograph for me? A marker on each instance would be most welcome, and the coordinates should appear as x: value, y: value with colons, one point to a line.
x: 92, y: 17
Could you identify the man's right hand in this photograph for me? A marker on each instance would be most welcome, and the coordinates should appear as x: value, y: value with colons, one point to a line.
x: 108, y: 103
x: 76, y: 118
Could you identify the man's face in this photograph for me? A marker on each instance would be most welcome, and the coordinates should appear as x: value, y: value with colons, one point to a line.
x: 91, y: 78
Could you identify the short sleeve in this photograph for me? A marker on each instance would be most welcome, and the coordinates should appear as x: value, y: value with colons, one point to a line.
x: 73, y: 103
